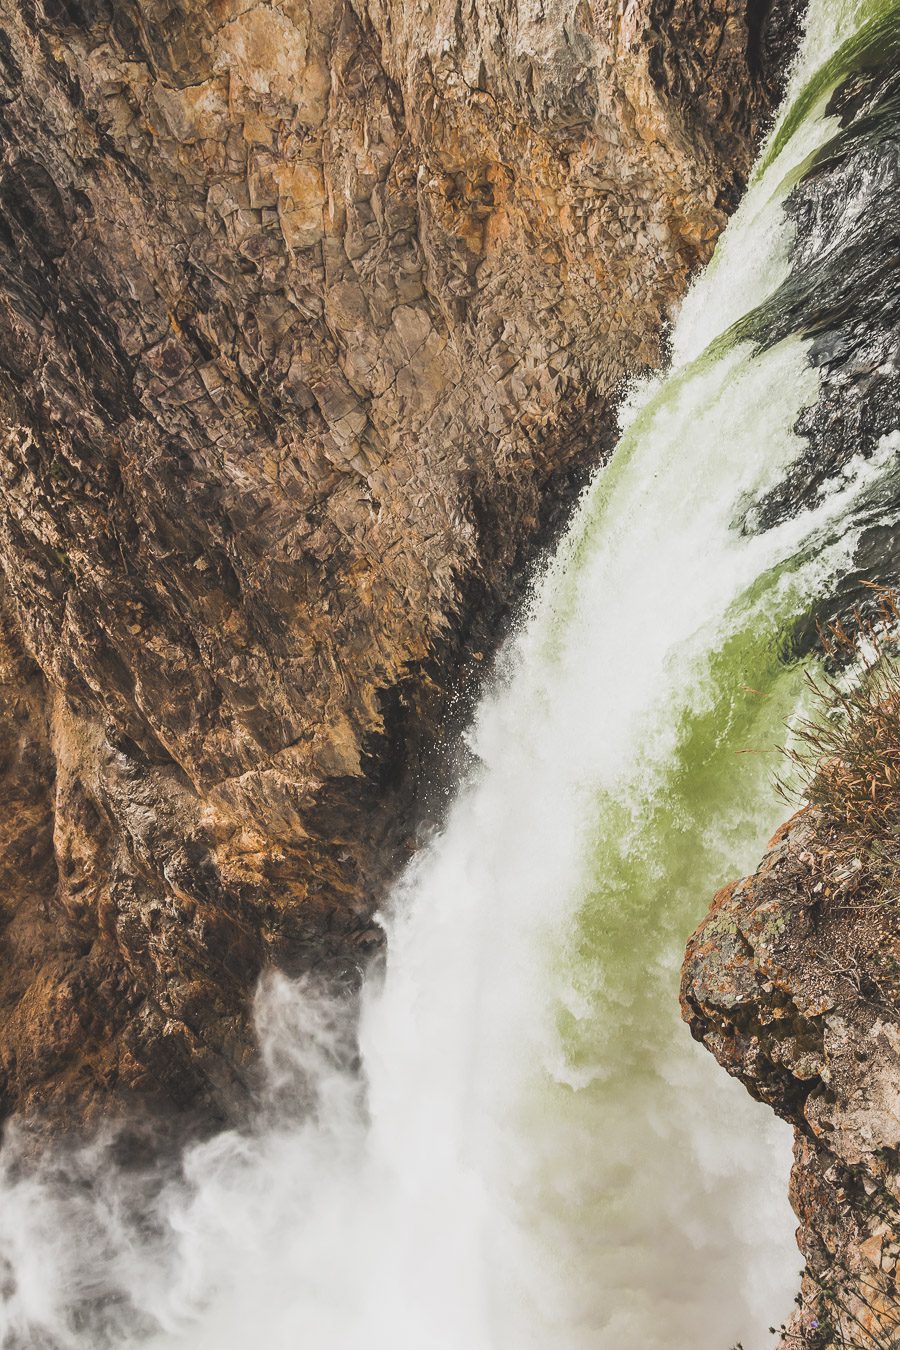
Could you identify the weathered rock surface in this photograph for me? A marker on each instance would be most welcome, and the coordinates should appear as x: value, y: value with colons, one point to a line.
x: 311, y: 316
x: 793, y: 983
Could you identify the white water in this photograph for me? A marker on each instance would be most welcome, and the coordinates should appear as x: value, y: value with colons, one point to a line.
x: 536, y: 1156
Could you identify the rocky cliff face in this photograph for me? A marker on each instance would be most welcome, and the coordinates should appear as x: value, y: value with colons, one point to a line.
x: 311, y: 316
x: 793, y: 983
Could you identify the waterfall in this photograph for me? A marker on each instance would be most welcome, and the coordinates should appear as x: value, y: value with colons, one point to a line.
x: 532, y: 1153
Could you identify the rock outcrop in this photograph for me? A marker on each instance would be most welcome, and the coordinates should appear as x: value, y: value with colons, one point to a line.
x: 793, y: 980
x: 311, y: 317
x: 793, y: 983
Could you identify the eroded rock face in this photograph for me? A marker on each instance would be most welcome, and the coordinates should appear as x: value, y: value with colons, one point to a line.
x: 311, y: 317
x: 793, y: 983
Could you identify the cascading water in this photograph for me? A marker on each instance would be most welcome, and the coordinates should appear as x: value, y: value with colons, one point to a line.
x: 535, y: 1156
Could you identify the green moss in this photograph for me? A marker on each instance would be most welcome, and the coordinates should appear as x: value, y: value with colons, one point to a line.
x: 874, y: 45
x: 657, y: 857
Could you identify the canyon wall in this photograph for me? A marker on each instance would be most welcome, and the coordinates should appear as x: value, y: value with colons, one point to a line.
x: 312, y: 317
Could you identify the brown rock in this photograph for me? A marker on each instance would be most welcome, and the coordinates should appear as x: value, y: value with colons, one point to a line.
x: 796, y: 993
x: 311, y: 319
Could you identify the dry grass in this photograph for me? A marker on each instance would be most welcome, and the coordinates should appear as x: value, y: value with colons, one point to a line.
x: 846, y: 756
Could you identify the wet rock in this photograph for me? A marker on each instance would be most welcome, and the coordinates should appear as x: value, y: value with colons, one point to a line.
x: 843, y: 296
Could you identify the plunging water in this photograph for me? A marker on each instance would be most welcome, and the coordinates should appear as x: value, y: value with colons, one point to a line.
x: 534, y: 1155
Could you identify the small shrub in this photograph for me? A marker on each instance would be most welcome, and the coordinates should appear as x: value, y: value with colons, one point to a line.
x: 846, y: 757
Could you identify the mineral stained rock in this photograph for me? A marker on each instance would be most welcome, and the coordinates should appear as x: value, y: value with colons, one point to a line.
x: 311, y: 317
x: 793, y: 983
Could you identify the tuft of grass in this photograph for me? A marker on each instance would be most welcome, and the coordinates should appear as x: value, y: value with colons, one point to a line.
x: 846, y: 756
x: 854, y: 1313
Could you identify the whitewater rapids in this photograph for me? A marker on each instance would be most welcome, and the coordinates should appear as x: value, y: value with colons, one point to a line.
x: 532, y: 1153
